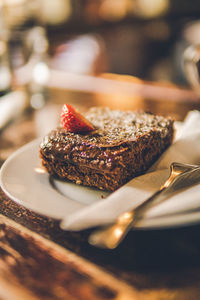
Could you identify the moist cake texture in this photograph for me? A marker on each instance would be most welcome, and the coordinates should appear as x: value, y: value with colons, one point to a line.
x: 123, y: 145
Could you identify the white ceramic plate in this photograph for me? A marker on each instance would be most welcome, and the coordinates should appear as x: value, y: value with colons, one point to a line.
x: 25, y: 182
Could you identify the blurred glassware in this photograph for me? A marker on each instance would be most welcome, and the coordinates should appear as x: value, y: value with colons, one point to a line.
x: 5, y: 70
x: 38, y: 62
x: 189, y: 36
x: 24, y: 47
x: 191, y: 60
x: 27, y: 43
x: 32, y: 71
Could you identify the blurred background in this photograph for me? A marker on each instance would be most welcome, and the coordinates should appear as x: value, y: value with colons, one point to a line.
x: 124, y: 54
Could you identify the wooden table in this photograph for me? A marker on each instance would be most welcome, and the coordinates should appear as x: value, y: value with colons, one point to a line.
x: 40, y: 261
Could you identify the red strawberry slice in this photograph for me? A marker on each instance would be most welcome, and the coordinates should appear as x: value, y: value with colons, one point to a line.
x: 73, y: 121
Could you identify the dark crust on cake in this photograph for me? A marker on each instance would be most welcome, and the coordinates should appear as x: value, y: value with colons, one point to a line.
x: 123, y: 145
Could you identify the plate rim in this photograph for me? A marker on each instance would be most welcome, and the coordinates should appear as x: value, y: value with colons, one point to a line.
x: 189, y: 222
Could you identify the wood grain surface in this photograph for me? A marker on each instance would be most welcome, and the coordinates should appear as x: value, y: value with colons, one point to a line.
x: 40, y: 261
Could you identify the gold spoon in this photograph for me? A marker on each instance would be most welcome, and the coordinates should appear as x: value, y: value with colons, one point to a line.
x: 111, y: 235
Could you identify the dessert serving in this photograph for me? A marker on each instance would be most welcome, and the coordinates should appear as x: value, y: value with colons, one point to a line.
x: 104, y: 148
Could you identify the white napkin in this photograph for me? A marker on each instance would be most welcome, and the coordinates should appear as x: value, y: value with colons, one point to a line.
x: 11, y: 106
x: 185, y: 149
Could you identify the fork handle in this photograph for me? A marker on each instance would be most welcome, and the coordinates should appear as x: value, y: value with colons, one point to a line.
x: 111, y: 235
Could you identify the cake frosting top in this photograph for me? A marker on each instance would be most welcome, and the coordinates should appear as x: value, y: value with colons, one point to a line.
x: 112, y: 128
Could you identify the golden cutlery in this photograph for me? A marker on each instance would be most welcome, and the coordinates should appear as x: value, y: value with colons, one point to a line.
x: 181, y: 176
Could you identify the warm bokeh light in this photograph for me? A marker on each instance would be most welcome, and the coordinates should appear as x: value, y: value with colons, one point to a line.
x: 12, y: 2
x: 113, y: 11
x: 55, y: 12
x: 51, y: 12
x: 125, y: 216
x: 153, y: 8
x: 40, y: 170
x: 118, y: 232
x: 41, y: 73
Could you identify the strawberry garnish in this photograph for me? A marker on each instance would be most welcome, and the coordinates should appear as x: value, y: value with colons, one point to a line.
x: 73, y: 121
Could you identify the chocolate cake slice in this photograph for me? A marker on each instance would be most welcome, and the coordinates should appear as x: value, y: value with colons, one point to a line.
x: 123, y: 145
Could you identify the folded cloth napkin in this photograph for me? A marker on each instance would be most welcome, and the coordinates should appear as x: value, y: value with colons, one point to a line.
x: 11, y: 106
x: 185, y: 149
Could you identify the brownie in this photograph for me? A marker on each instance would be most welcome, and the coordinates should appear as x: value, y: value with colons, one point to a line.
x: 123, y: 145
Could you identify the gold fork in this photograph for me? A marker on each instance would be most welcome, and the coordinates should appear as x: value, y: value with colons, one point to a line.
x: 181, y: 176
